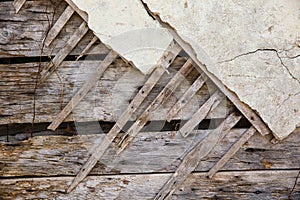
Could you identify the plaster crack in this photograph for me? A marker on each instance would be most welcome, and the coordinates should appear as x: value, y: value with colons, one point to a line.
x: 263, y: 50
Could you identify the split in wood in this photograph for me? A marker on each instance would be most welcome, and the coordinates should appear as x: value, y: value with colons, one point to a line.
x: 166, y: 60
x: 62, y: 54
x: 233, y: 149
x: 186, y: 97
x: 193, y: 158
x: 83, y: 91
x: 18, y: 4
x: 203, y: 111
x: 159, y: 100
x: 59, y: 24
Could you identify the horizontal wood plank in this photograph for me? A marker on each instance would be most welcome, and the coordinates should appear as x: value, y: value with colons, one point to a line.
x: 263, y: 185
x: 149, y: 152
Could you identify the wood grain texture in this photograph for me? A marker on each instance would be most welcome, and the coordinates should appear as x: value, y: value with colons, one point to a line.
x: 192, y: 159
x: 62, y: 155
x: 22, y: 35
x: 263, y: 185
x: 120, y: 83
x: 157, y: 102
x: 18, y: 4
x: 97, y: 152
x: 233, y: 149
x: 59, y: 24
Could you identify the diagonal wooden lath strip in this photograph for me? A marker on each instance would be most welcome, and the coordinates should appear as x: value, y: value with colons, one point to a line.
x: 87, y: 48
x: 232, y: 150
x: 62, y: 54
x: 193, y: 158
x: 186, y: 97
x: 160, y: 99
x: 82, y: 14
x: 202, y: 112
x: 59, y: 24
x: 252, y: 117
x: 83, y: 90
x: 166, y: 60
x: 18, y: 4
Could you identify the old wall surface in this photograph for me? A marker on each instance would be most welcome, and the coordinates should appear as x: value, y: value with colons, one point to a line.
x: 252, y: 47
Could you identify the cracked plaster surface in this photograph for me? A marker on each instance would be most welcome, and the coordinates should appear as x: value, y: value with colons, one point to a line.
x: 252, y: 46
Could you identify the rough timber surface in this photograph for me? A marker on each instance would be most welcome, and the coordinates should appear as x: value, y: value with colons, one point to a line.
x: 254, y: 185
x: 150, y: 152
x: 106, y: 101
x: 22, y: 34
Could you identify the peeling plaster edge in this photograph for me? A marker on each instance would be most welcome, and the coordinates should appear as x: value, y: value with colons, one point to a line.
x: 190, y: 50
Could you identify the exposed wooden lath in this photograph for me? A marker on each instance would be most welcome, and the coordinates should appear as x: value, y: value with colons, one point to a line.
x: 18, y: 4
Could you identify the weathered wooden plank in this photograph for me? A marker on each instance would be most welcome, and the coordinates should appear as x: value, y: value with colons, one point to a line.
x: 58, y: 59
x: 18, y: 4
x: 59, y: 24
x: 80, y: 12
x: 120, y: 83
x: 253, y: 118
x: 161, y: 97
x: 83, y: 90
x: 97, y: 153
x: 23, y: 33
x: 253, y: 185
x: 186, y: 97
x: 203, y: 111
x: 233, y: 149
x: 192, y: 159
x: 87, y: 48
x: 48, y: 155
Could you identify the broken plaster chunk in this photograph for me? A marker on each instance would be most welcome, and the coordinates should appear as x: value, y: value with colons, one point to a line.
x: 126, y: 27
x: 238, y: 41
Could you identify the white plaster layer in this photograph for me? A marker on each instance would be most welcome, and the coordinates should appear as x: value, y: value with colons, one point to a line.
x: 126, y: 27
x: 251, y: 46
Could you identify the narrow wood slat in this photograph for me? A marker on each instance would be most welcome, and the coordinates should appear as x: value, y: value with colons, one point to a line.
x: 82, y: 14
x: 253, y: 118
x: 97, y: 153
x: 186, y: 97
x: 18, y: 4
x: 233, y: 149
x: 59, y: 24
x: 160, y: 99
x: 87, y: 48
x: 83, y: 91
x: 202, y: 112
x: 193, y: 158
x: 61, y: 55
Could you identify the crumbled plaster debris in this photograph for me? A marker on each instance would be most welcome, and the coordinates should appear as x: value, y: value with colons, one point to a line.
x: 126, y: 27
x: 251, y: 46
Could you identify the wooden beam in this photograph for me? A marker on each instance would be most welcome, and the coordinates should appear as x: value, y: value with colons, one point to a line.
x: 59, y: 24
x: 18, y: 4
x: 233, y: 149
x: 97, y: 153
x: 87, y: 48
x: 83, y: 91
x: 160, y: 99
x: 186, y: 97
x: 82, y: 14
x: 192, y: 159
x: 62, y: 54
x: 262, y: 184
x: 202, y: 112
x: 253, y: 118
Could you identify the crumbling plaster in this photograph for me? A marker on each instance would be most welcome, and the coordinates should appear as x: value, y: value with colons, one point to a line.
x: 252, y: 46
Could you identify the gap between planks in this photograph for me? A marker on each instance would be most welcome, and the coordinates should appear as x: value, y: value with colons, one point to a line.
x: 166, y: 60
